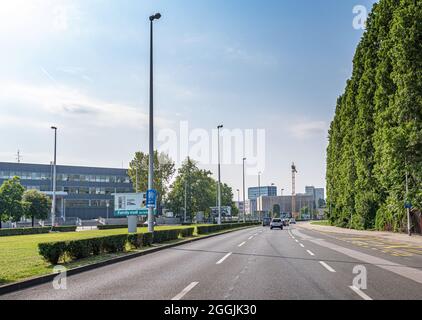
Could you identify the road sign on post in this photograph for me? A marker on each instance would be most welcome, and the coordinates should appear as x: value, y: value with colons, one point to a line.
x: 152, y: 198
x: 408, y: 205
x: 130, y: 204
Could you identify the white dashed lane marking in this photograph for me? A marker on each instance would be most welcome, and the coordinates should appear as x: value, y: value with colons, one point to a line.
x: 326, y: 266
x: 185, y: 291
x: 224, y: 258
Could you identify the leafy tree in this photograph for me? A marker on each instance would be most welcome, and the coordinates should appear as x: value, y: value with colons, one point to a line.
x: 37, y: 205
x: 276, y: 210
x: 164, y: 170
x: 11, y: 192
x: 375, y: 139
x: 201, y: 191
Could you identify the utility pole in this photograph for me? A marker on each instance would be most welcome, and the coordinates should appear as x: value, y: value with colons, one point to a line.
x: 244, y: 192
x: 259, y: 196
x: 238, y: 202
x: 219, y: 176
x: 408, y: 205
x: 53, y: 205
x: 186, y: 199
x: 151, y: 122
x: 294, y: 171
x: 18, y: 156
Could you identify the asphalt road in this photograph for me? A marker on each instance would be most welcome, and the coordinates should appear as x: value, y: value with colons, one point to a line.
x: 251, y: 264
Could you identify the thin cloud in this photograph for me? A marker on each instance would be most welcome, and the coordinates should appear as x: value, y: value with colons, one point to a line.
x: 73, y: 107
x: 308, y: 129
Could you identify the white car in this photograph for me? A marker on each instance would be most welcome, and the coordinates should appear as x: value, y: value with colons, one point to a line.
x: 292, y: 221
x: 276, y: 223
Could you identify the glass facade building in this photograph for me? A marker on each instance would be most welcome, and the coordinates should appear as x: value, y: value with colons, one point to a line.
x: 83, y: 192
x: 255, y: 192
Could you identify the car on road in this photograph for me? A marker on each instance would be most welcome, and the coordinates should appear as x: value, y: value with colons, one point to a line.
x: 266, y: 222
x: 292, y: 221
x: 276, y: 223
x: 286, y: 222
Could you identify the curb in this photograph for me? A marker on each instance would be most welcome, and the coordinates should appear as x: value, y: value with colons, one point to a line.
x: 25, y: 284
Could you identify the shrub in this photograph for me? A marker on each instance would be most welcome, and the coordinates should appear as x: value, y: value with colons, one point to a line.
x: 53, y: 251
x: 147, y: 239
x: 113, y: 244
x: 65, y: 229
x: 109, y: 227
x: 135, y: 240
x: 186, y: 233
x: 23, y: 231
x: 79, y: 249
x: 166, y: 235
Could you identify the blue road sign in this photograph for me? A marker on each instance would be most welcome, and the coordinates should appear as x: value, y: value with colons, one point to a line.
x: 151, y: 198
x: 408, y: 205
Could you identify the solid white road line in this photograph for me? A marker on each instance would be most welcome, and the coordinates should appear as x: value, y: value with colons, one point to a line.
x: 302, y: 245
x: 242, y: 244
x: 363, y: 295
x: 224, y: 258
x: 310, y: 252
x: 326, y: 266
x: 185, y: 291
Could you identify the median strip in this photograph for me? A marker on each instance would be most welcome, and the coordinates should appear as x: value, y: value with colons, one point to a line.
x: 185, y: 291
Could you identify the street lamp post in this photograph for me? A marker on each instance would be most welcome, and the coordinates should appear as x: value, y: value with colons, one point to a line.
x: 244, y: 200
x: 219, y: 176
x: 53, y: 205
x: 259, y: 195
x: 151, y: 123
x: 238, y: 202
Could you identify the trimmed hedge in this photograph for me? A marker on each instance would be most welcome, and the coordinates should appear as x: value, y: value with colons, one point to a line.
x: 65, y: 229
x: 36, y: 230
x: 23, y: 231
x: 187, y: 232
x: 165, y: 235
x: 52, y: 252
x: 216, y: 228
x: 115, y: 226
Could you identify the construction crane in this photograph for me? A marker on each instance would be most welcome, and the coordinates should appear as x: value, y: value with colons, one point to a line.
x: 294, y: 171
x: 19, y: 156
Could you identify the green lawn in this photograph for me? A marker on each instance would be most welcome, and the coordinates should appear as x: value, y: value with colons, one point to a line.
x: 19, y: 258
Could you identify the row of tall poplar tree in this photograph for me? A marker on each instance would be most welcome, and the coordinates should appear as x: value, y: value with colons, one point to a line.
x: 375, y: 139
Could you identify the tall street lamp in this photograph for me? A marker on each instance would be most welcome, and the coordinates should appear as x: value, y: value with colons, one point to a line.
x: 244, y: 201
x: 151, y: 124
x: 238, y: 203
x: 53, y: 205
x: 259, y: 194
x: 219, y: 176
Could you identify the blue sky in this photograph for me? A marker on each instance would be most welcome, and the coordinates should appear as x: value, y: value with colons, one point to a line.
x: 83, y: 65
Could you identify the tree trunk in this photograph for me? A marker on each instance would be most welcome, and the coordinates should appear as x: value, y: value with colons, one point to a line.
x: 33, y: 221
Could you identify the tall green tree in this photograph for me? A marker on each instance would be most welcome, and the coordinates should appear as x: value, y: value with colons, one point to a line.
x: 11, y: 192
x: 164, y: 169
x: 375, y: 138
x: 37, y: 205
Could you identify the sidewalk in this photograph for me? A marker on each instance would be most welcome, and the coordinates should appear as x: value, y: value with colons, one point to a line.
x: 390, y: 236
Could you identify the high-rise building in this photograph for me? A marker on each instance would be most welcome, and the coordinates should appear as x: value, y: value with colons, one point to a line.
x: 255, y: 192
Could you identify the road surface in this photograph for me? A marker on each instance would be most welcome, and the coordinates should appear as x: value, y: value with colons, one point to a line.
x: 250, y: 264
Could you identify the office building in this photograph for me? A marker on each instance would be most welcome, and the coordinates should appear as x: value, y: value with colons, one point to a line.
x: 82, y: 192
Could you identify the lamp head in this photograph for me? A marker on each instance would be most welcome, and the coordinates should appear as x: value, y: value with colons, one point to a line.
x: 54, y: 128
x: 156, y: 16
x: 220, y: 127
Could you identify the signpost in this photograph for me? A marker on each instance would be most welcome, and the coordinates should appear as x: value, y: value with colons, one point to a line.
x: 130, y: 205
x: 151, y: 198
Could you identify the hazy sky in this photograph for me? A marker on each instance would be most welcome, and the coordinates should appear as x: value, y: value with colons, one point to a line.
x: 275, y: 65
